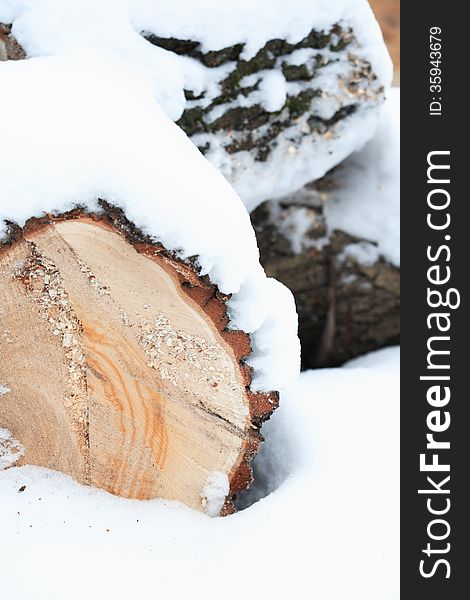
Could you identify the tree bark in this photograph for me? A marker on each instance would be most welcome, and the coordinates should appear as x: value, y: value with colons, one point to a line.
x: 118, y: 367
x: 235, y: 124
x: 345, y: 308
x: 240, y: 133
x: 9, y: 47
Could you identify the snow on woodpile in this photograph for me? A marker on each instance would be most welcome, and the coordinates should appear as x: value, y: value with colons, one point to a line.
x: 84, y: 125
x: 361, y: 197
x: 331, y: 471
x: 366, y: 203
x: 10, y: 449
x: 274, y: 93
x: 293, y: 88
x: 342, y: 231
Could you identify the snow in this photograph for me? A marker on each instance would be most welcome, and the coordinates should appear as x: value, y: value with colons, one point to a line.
x: 364, y: 253
x: 217, y: 25
x: 214, y: 493
x: 273, y: 90
x: 292, y: 163
x: 62, y: 27
x: 367, y: 201
x: 296, y: 223
x: 385, y: 359
x: 10, y: 450
x: 330, y: 524
x: 86, y: 125
x: 271, y: 94
x: 361, y: 197
x: 272, y: 343
x: 299, y: 155
x: 53, y: 26
x: 4, y: 390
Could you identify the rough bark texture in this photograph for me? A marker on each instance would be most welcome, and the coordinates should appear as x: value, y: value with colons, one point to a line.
x: 233, y: 121
x: 63, y: 313
x: 245, y: 124
x: 345, y: 308
x: 9, y: 47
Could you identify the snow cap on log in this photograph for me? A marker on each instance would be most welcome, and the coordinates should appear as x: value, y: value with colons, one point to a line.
x: 275, y: 96
x: 85, y: 127
x: 335, y: 244
x: 80, y: 128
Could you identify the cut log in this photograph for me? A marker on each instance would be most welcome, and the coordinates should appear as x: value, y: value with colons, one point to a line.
x: 118, y: 368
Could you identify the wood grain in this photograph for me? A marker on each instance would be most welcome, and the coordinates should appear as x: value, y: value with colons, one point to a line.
x: 118, y: 376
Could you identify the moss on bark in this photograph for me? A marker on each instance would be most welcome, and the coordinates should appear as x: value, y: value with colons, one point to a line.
x: 256, y: 128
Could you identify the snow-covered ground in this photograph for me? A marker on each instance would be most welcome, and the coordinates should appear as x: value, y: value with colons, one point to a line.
x: 328, y: 529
